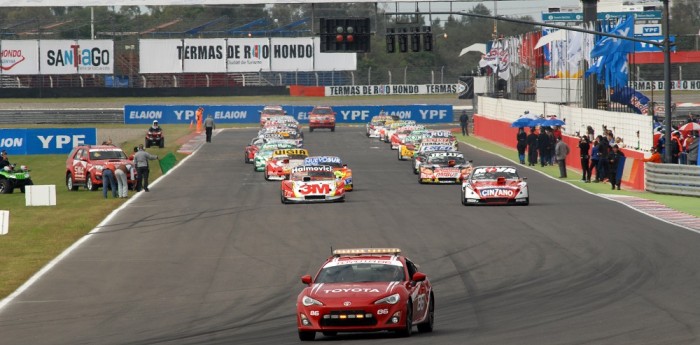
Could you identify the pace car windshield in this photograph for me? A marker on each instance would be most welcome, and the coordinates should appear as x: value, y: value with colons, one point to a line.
x: 360, y: 273
x: 111, y: 154
x: 494, y: 174
x: 323, y: 111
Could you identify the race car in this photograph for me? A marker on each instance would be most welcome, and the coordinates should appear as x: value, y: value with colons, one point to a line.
x: 365, y: 290
x: 281, y: 163
x: 402, y: 132
x: 85, y: 163
x: 311, y: 184
x: 410, y: 143
x: 266, y: 151
x: 256, y: 143
x: 423, y: 150
x: 270, y: 111
x: 495, y: 185
x: 431, y: 140
x: 372, y: 127
x: 322, y: 117
x: 444, y: 167
x: 341, y: 171
x: 386, y: 136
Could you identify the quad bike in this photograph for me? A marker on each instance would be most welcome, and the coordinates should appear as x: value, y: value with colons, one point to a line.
x: 155, y: 138
x: 11, y: 178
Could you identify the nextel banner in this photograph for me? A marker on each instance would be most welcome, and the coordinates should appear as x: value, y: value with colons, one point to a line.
x: 39, y: 141
x: 184, y: 114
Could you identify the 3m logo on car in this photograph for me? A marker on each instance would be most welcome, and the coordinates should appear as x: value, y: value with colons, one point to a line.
x: 497, y: 193
x: 315, y: 189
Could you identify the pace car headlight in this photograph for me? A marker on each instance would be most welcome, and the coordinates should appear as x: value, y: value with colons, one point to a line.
x: 99, y: 167
x: 393, y: 299
x: 308, y: 301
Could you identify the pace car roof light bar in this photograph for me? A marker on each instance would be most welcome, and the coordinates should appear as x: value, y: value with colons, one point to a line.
x: 365, y: 251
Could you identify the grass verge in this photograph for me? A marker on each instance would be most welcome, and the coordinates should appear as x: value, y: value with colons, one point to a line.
x: 680, y: 203
x: 38, y: 234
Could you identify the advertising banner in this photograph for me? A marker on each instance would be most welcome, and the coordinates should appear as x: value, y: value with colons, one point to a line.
x: 19, y: 57
x: 160, y: 56
x: 292, y: 54
x: 396, y: 89
x: 185, y: 114
x: 248, y: 55
x: 203, y: 55
x: 72, y: 57
x: 466, y: 88
x: 37, y: 141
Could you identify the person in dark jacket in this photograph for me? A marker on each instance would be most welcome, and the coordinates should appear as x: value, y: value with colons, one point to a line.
x: 594, y: 161
x: 464, y: 122
x: 532, y: 147
x: 544, y: 147
x: 603, y: 163
x: 676, y: 147
x: 584, y: 146
x: 614, y: 161
x: 521, y: 137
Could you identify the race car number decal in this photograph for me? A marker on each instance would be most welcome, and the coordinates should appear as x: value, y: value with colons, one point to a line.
x: 315, y: 189
x: 314, y: 313
x: 497, y: 193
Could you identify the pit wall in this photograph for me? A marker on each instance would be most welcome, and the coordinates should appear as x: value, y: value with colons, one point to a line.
x: 494, y: 116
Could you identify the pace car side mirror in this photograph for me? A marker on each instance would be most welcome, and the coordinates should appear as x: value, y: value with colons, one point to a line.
x: 418, y: 277
x: 306, y: 279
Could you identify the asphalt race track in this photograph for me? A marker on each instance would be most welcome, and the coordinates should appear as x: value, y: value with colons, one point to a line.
x: 211, y: 256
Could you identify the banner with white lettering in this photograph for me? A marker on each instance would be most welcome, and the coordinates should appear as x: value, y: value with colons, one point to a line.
x: 333, y: 61
x: 398, y: 89
x: 659, y: 85
x: 160, y: 56
x: 72, y: 57
x: 19, y: 57
x: 22, y: 141
x: 204, y: 55
x: 248, y: 55
x: 292, y: 54
x: 185, y: 114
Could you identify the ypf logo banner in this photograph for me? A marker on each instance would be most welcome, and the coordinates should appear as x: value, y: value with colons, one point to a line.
x: 58, y: 140
x: 82, y: 56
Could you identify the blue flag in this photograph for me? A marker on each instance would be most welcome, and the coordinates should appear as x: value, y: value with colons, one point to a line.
x: 610, y: 55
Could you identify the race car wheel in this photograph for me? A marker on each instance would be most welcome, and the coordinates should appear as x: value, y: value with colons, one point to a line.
x: 28, y: 183
x: 527, y: 202
x: 306, y: 336
x: 267, y: 177
x: 5, y: 186
x: 311, y: 129
x: 333, y: 129
x: 283, y: 199
x: 162, y: 143
x: 330, y: 334
x: 69, y: 182
x: 427, y: 326
x: 246, y: 160
x: 464, y: 201
x: 408, y: 320
x: 89, y: 185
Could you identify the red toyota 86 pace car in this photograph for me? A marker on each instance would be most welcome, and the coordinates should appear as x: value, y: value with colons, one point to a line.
x: 365, y: 290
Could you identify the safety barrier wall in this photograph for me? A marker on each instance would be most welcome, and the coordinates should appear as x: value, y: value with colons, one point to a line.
x: 184, y: 114
x: 636, y: 130
x: 630, y: 170
x: 21, y: 141
x: 673, y: 179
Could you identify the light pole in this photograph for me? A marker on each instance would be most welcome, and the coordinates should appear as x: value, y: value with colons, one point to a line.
x: 130, y: 48
x: 667, y: 84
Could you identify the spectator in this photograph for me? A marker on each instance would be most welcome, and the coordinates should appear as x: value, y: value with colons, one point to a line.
x: 693, y: 149
x: 661, y: 144
x: 603, y: 163
x: 532, y: 147
x: 590, y: 132
x: 209, y: 126
x: 464, y: 122
x: 544, y: 147
x: 552, y: 146
x: 676, y: 147
x: 654, y: 158
x: 122, y: 181
x: 522, y: 144
x: 614, y: 161
x: 141, y: 159
x: 594, y: 161
x: 108, y: 180
x: 584, y: 146
x: 619, y: 142
x: 561, y: 151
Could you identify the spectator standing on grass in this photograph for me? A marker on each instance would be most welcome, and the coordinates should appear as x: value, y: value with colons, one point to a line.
x: 209, y: 126
x: 122, y: 181
x: 693, y: 149
x: 584, y: 146
x: 614, y: 161
x: 553, y: 146
x: 521, y: 138
x: 141, y: 159
x: 603, y: 163
x: 561, y: 150
x: 544, y: 147
x: 464, y: 122
x: 594, y: 162
x: 532, y: 147
x: 108, y: 180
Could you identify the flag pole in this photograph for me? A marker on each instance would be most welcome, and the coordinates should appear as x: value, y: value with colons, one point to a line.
x: 667, y: 85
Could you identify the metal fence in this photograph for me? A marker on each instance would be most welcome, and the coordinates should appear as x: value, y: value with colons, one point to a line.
x: 676, y: 179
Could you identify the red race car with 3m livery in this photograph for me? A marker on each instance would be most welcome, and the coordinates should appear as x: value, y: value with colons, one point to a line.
x: 365, y: 290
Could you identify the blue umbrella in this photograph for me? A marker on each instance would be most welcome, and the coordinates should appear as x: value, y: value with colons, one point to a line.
x: 521, y: 122
x: 553, y: 122
x: 536, y: 122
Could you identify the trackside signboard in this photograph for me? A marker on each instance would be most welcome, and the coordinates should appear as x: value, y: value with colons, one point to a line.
x: 184, y: 114
x: 22, y: 57
x: 38, y: 141
x: 396, y: 89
